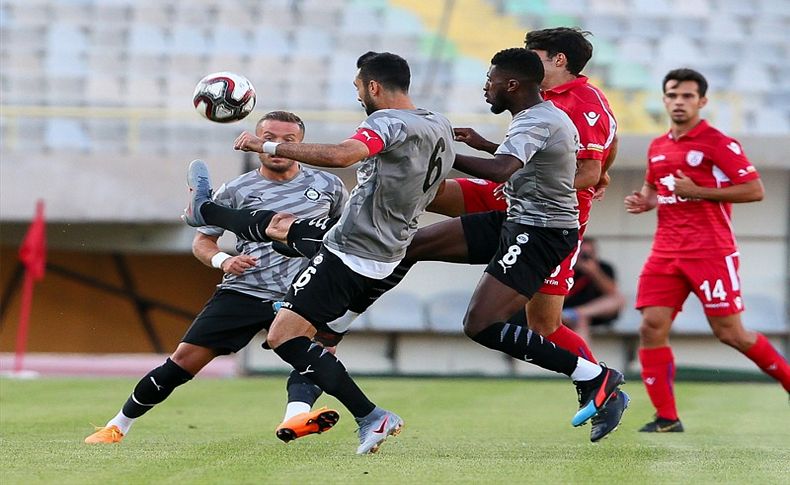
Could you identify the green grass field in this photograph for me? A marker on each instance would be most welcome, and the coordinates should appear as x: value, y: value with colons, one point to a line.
x: 457, y: 431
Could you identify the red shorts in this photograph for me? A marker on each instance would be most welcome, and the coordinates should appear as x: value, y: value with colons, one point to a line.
x: 479, y: 196
x: 668, y: 281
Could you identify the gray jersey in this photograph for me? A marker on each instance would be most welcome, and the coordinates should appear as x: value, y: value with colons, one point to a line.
x: 541, y: 193
x: 312, y: 193
x: 395, y: 185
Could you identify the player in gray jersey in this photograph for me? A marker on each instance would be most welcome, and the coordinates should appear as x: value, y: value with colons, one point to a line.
x: 538, y: 162
x: 255, y: 278
x: 405, y: 153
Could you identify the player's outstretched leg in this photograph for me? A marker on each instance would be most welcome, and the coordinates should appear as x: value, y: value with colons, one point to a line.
x: 152, y: 389
x: 375, y: 428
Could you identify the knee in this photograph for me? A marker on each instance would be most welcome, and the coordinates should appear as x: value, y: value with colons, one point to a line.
x: 192, y: 358
x: 653, y: 330
x: 544, y: 327
x: 473, y: 324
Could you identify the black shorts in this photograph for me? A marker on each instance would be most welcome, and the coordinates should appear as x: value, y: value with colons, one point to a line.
x: 481, y: 231
x: 306, y: 235
x: 518, y: 255
x: 324, y: 290
x: 229, y: 320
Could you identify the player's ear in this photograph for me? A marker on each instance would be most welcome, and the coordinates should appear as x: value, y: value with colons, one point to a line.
x: 513, y: 84
x: 374, y: 87
x: 702, y: 102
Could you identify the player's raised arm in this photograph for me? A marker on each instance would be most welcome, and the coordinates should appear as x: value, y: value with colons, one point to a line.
x: 339, y: 155
x: 497, y: 169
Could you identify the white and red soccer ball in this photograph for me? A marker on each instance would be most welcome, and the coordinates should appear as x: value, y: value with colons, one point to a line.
x: 224, y: 97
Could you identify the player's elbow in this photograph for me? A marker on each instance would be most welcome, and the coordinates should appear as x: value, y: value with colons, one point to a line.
x: 757, y: 192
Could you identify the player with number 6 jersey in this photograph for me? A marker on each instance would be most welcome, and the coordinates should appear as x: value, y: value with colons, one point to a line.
x: 694, y: 175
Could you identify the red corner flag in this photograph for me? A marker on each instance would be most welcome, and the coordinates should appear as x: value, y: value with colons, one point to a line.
x: 33, y: 254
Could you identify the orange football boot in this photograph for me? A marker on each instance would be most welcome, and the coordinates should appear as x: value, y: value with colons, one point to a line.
x: 106, y: 434
x: 307, y: 423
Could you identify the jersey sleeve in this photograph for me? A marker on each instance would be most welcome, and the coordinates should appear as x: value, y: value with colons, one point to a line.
x: 523, y: 141
x: 650, y: 176
x: 389, y: 129
x: 731, y: 160
x: 224, y: 197
x: 339, y: 199
x: 596, y: 129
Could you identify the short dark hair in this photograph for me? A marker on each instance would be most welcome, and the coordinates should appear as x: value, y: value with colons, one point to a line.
x: 390, y: 70
x: 285, y: 116
x: 686, y: 74
x: 520, y: 62
x: 571, y: 41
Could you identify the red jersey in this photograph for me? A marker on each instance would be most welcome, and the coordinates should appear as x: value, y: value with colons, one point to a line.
x: 695, y: 228
x: 589, y: 110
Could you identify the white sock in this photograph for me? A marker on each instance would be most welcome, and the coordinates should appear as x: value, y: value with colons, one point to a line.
x: 122, y: 421
x: 294, y: 408
x: 585, y: 370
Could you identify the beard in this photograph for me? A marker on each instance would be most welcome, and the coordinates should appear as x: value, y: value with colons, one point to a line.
x: 369, y: 104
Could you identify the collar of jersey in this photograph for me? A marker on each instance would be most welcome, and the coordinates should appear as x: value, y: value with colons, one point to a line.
x: 568, y: 86
x: 701, y: 126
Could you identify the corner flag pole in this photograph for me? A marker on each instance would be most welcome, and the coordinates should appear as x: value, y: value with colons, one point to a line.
x: 33, y: 254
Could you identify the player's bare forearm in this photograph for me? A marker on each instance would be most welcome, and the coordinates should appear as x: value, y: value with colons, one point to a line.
x: 751, y: 191
x: 322, y: 155
x: 204, y: 247
x: 340, y: 155
x: 588, y: 173
x: 497, y: 169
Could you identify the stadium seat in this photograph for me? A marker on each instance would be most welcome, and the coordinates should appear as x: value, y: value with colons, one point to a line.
x: 724, y: 27
x: 397, y: 311
x: 231, y: 41
x: 62, y: 133
x: 697, y: 9
x: 401, y: 22
x: 630, y: 318
x: 66, y: 91
x: 446, y: 311
x: 763, y: 313
x: 751, y: 77
x: 188, y: 40
x: 65, y: 64
x: 147, y: 39
x: 635, y: 50
x: 771, y: 121
x: 105, y: 89
x: 681, y: 50
x: 631, y: 76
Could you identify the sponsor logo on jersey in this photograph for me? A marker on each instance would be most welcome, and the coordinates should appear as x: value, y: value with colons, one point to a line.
x: 318, y: 259
x: 736, y: 149
x: 668, y: 181
x: 723, y: 304
x: 658, y: 158
x: 591, y: 117
x: 522, y: 238
x: 694, y: 158
x: 312, y: 194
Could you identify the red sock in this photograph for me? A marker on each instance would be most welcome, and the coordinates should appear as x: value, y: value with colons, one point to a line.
x: 769, y: 360
x: 571, y: 341
x: 658, y: 375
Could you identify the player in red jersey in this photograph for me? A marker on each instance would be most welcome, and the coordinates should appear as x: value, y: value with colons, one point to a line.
x: 564, y: 52
x: 694, y: 175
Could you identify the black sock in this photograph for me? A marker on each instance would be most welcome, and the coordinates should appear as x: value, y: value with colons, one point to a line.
x: 524, y: 344
x: 319, y: 365
x: 247, y: 223
x: 379, y: 287
x: 302, y: 389
x: 154, y: 388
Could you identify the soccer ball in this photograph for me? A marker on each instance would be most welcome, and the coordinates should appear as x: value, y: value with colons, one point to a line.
x: 224, y: 97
